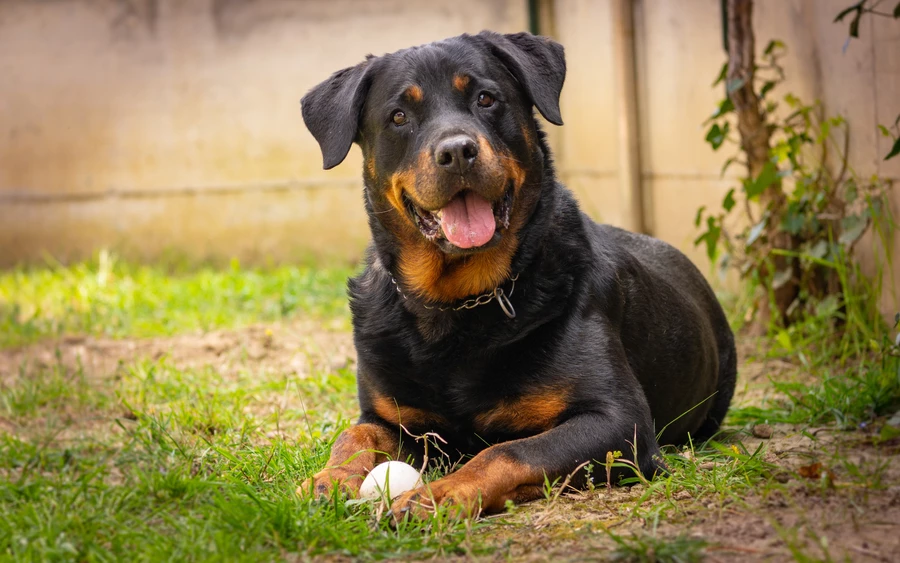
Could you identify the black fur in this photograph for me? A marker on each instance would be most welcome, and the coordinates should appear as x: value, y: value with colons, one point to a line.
x: 335, y: 120
x: 624, y: 326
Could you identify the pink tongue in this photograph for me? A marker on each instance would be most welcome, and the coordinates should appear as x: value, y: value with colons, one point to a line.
x: 468, y: 220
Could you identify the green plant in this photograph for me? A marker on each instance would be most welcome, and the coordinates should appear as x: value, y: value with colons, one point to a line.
x: 791, y: 228
x: 858, y: 10
x: 846, y: 393
x: 894, y: 134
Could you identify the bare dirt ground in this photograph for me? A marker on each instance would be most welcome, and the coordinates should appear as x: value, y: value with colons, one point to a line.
x: 838, y: 497
x: 806, y: 519
x: 289, y: 348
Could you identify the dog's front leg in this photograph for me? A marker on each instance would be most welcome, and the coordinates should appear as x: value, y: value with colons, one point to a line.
x: 516, y: 470
x: 356, y: 451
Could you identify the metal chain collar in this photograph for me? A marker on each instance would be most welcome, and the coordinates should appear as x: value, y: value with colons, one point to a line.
x: 483, y: 299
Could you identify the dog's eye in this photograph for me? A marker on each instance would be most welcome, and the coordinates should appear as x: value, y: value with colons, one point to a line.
x: 485, y: 100
x: 399, y: 118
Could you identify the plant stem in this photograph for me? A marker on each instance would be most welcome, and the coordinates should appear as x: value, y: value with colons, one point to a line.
x: 755, y: 142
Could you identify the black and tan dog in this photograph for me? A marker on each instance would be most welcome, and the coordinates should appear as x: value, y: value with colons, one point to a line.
x: 492, y: 311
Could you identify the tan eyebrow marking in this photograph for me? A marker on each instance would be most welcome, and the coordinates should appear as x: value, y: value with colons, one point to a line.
x: 460, y: 81
x: 414, y: 93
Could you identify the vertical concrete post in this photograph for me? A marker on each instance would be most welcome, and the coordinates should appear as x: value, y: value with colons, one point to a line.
x: 626, y: 98
x: 542, y: 21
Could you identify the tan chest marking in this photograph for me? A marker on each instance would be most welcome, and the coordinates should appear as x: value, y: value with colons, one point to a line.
x: 537, y: 411
x: 410, y: 417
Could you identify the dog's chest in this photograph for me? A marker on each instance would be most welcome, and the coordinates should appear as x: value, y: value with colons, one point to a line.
x: 482, y: 400
x: 484, y: 387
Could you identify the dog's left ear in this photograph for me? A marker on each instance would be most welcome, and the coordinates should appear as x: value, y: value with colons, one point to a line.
x: 538, y: 63
x: 331, y: 111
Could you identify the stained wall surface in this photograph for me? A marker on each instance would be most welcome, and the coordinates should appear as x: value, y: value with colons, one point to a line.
x: 680, y: 52
x: 155, y: 126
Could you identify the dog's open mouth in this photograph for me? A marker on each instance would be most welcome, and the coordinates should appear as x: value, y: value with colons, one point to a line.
x: 468, y: 220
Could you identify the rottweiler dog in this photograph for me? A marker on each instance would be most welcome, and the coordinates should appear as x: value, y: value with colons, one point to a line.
x: 491, y: 310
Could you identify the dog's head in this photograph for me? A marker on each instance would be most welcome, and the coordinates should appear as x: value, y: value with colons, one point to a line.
x: 452, y: 157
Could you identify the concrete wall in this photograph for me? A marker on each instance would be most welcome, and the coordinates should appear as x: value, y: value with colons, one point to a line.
x: 174, y: 125
x: 161, y: 125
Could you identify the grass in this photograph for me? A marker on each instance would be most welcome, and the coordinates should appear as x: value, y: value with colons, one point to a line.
x: 113, y: 298
x: 165, y: 459
x: 160, y: 461
x: 53, y: 389
x: 156, y: 498
x: 184, y: 464
x: 852, y: 388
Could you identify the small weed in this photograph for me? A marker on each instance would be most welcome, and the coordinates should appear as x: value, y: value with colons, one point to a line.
x: 713, y: 472
x: 848, y: 391
x: 869, y: 475
x: 650, y: 548
x: 845, y: 399
x: 803, y: 543
x: 800, y: 218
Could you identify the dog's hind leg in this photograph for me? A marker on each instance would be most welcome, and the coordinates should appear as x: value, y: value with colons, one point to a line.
x: 724, y: 390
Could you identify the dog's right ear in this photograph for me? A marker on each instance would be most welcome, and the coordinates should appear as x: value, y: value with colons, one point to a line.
x: 537, y: 63
x: 332, y: 110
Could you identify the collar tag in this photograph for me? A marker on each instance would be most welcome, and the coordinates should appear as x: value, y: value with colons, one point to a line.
x: 504, y: 303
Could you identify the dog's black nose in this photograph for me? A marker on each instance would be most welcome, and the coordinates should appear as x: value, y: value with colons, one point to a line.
x: 456, y: 154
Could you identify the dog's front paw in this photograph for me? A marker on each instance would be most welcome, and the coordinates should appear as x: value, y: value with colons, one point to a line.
x: 462, y: 499
x: 324, y: 482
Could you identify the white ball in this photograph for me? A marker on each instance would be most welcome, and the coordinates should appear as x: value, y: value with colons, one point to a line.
x: 390, y: 477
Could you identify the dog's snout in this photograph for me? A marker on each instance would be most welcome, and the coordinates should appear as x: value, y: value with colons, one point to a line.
x: 456, y: 154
